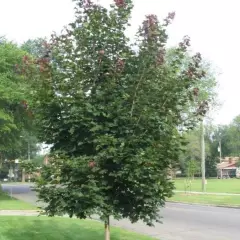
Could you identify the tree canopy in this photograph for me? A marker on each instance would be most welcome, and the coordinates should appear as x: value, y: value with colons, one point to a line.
x: 15, y: 114
x: 114, y: 112
x: 229, y: 136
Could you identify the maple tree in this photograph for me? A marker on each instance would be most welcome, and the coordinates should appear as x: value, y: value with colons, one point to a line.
x: 114, y: 112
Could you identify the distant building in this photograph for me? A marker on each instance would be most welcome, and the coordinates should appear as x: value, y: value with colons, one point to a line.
x: 228, y: 168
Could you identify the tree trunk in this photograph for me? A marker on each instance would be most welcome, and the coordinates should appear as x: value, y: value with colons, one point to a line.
x: 23, y: 175
x: 107, y: 229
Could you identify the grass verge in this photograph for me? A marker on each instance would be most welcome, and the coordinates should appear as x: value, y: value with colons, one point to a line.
x: 8, y: 203
x: 213, y: 185
x: 44, y: 228
x: 217, y: 200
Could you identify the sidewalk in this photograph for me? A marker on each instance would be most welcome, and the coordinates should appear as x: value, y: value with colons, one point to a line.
x: 19, y: 213
x: 209, y: 193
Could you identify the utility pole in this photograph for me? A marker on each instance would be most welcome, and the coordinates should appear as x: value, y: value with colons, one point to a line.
x: 23, y: 175
x: 29, y: 152
x: 203, y: 157
x: 220, y: 151
x: 29, y: 156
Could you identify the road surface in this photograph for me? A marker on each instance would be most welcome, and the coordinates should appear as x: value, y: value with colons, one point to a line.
x: 180, y: 221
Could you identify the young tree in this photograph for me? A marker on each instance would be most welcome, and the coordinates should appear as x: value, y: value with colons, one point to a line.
x: 113, y: 114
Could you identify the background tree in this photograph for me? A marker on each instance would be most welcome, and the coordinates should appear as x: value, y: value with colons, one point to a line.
x: 16, y: 118
x: 238, y: 164
x: 35, y: 47
x: 220, y: 134
x: 233, y: 134
x: 113, y: 115
x: 229, y: 136
x: 225, y: 135
x: 15, y: 114
x: 193, y: 149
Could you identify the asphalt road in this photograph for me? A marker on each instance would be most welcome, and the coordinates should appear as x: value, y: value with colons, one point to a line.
x: 180, y: 221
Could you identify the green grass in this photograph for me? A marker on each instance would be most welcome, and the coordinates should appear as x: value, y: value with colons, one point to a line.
x: 213, y: 185
x: 8, y: 203
x: 219, y: 200
x: 43, y: 228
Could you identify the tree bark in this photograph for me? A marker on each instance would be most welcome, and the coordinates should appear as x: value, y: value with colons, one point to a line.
x: 107, y: 229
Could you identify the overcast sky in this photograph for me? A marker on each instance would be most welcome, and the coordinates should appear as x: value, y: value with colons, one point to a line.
x: 211, y: 24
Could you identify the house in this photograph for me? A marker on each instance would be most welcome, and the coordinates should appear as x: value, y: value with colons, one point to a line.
x: 228, y: 167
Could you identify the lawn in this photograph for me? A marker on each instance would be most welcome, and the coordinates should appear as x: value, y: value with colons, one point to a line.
x: 219, y: 200
x: 213, y: 185
x: 44, y: 228
x: 8, y: 203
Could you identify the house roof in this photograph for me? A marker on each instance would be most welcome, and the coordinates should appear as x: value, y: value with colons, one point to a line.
x: 228, y: 163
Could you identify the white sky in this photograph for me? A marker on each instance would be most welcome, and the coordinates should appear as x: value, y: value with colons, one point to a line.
x: 211, y: 24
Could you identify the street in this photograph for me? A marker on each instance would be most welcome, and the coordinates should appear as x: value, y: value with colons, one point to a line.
x: 180, y: 221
